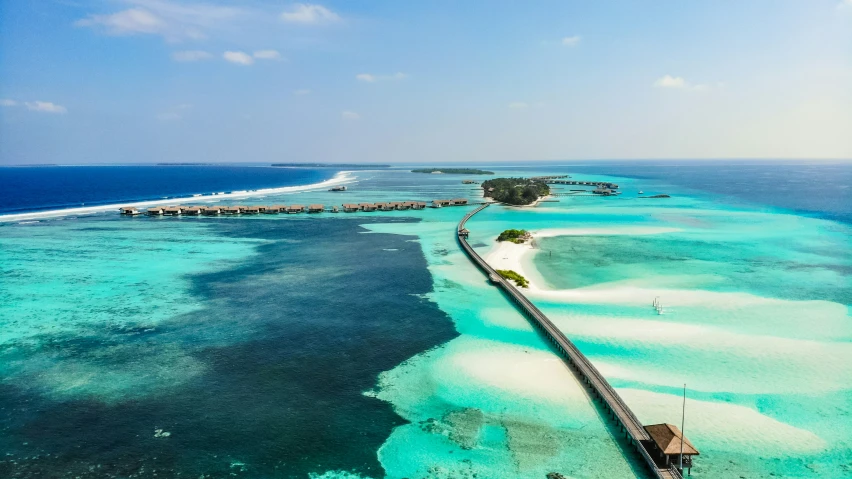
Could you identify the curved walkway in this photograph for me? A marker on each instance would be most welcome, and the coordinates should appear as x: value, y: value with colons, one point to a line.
x: 584, y: 369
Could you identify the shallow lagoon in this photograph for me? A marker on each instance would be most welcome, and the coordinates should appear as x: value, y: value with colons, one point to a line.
x: 475, y: 392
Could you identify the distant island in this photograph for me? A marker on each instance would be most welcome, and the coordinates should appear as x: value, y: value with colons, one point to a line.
x: 331, y: 165
x: 515, y: 236
x: 184, y: 164
x: 515, y: 191
x: 453, y: 171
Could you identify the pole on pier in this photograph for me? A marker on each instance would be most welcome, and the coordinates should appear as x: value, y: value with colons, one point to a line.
x: 682, y: 423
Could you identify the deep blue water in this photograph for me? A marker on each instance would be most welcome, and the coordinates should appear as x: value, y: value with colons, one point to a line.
x: 290, y: 339
x: 820, y: 189
x: 24, y: 189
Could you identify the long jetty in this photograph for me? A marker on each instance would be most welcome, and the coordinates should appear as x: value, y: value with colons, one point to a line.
x: 582, y: 367
x: 600, y: 184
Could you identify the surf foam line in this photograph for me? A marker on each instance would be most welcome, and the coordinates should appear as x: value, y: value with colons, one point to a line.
x: 341, y: 177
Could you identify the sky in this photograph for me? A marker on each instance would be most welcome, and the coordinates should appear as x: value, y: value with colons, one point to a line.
x: 141, y: 81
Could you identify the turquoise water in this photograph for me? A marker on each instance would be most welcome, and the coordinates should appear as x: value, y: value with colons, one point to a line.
x: 347, y: 346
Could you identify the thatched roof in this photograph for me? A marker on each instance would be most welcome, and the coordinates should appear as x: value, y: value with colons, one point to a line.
x: 295, y: 207
x: 668, y: 437
x: 316, y: 207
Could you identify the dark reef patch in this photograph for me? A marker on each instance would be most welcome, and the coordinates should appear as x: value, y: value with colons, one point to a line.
x: 289, y: 339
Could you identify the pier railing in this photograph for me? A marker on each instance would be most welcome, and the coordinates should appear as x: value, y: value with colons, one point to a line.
x: 585, y: 370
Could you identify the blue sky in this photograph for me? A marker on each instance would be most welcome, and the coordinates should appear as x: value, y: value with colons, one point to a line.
x: 118, y: 81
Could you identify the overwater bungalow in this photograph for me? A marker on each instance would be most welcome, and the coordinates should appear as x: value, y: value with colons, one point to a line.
x: 316, y: 208
x: 171, y: 211
x: 293, y: 209
x: 350, y: 207
x: 261, y: 208
x: 366, y: 206
x: 130, y: 211
x: 403, y: 205
x: 418, y: 205
x: 458, y: 202
x: 211, y: 211
x: 271, y: 210
x: 385, y: 206
x: 230, y: 210
x: 191, y: 211
x: 156, y: 211
x: 251, y: 210
x: 334, y: 209
x: 668, y: 442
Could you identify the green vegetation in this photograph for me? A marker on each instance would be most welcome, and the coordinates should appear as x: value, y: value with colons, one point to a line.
x: 515, y: 191
x: 515, y: 236
x: 453, y: 171
x: 518, y: 279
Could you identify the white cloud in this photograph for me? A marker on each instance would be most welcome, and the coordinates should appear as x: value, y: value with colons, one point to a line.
x: 309, y: 14
x: 371, y: 78
x: 669, y: 81
x: 302, y: 92
x: 679, y: 83
x: 45, y: 106
x: 241, y: 58
x: 571, y: 41
x: 267, y: 55
x: 350, y: 115
x: 518, y: 105
x: 191, y: 56
x: 172, y: 21
x: 7, y: 102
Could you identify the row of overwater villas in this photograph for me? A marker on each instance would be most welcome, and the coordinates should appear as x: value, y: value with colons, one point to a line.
x: 292, y: 209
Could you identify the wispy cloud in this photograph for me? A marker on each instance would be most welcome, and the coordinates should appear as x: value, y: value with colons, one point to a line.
x: 267, y: 55
x: 309, y: 14
x: 45, y: 107
x: 191, y: 56
x: 678, y: 83
x: 172, y: 21
x: 571, y: 41
x: 174, y: 113
x: 668, y: 81
x: 302, y: 92
x: 7, y: 102
x: 371, y: 78
x: 350, y: 115
x: 240, y: 58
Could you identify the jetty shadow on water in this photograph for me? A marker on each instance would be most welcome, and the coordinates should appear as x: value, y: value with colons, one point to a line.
x: 287, y: 341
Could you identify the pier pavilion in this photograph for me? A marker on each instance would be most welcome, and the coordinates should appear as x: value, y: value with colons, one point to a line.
x: 667, y: 441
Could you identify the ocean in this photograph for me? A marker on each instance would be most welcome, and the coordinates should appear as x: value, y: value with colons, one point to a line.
x: 27, y: 189
x: 367, y: 346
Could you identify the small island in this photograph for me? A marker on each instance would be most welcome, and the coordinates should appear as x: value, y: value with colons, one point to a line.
x: 515, y: 191
x: 518, y: 279
x: 515, y: 236
x: 453, y: 171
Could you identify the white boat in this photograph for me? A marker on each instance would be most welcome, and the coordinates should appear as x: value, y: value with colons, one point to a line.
x: 641, y: 192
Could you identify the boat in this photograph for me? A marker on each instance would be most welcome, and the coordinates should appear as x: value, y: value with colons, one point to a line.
x: 641, y: 192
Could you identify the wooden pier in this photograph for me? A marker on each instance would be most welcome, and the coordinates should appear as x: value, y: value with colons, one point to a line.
x: 292, y: 209
x: 599, y: 184
x: 635, y: 433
